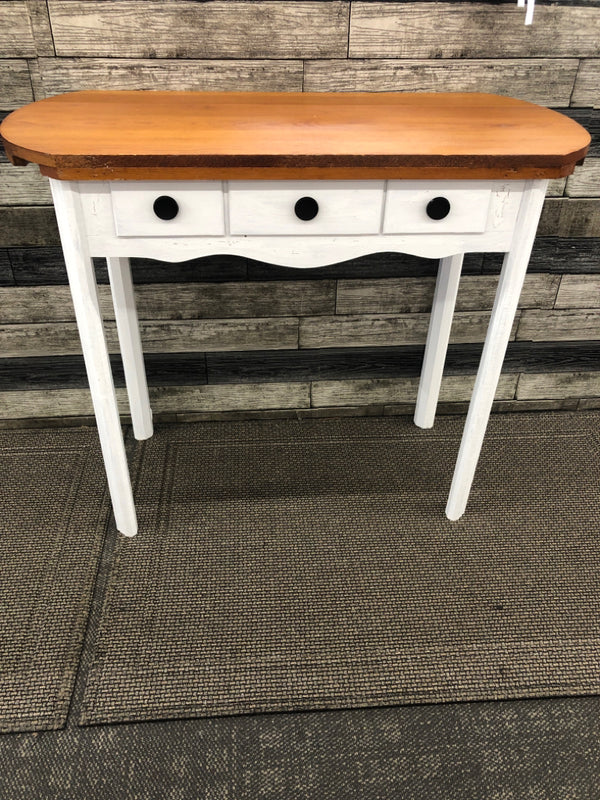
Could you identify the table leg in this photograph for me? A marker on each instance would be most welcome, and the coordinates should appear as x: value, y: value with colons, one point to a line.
x: 496, y: 342
x: 119, y: 273
x: 82, y: 281
x: 438, y: 335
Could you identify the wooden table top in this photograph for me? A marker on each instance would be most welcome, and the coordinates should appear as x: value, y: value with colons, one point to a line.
x: 115, y: 135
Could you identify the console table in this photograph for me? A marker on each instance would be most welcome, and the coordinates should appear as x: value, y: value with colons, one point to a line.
x: 298, y: 179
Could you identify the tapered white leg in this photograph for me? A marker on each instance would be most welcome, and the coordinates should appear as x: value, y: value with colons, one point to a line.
x: 438, y: 335
x: 496, y: 342
x: 119, y: 273
x: 82, y: 281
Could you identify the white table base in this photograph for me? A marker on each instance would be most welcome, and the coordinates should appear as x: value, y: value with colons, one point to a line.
x: 88, y: 228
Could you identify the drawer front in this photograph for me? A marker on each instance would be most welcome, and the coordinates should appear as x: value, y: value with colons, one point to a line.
x: 272, y: 208
x: 168, y: 208
x: 442, y: 207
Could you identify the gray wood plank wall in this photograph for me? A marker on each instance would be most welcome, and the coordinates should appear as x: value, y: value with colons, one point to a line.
x: 237, y: 337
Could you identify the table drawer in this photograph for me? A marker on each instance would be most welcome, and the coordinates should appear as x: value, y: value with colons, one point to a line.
x: 305, y: 207
x: 441, y: 207
x: 168, y: 208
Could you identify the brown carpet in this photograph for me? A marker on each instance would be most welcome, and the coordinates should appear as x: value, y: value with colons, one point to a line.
x: 308, y: 565
x: 53, y: 516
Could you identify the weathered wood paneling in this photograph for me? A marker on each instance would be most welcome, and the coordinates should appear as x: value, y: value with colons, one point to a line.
x: 556, y: 187
x: 72, y: 74
x: 177, y: 301
x: 16, y: 36
x: 579, y: 291
x: 558, y: 385
x: 23, y: 186
x: 6, y: 274
x: 470, y: 30
x: 388, y: 330
x: 526, y: 79
x: 416, y: 294
x: 540, y: 326
x: 40, y: 27
x: 570, y: 218
x: 77, y: 402
x: 188, y: 29
x: 399, y: 390
x: 585, y: 181
x: 61, y: 338
x: 15, y: 84
x: 587, y: 85
x: 28, y: 226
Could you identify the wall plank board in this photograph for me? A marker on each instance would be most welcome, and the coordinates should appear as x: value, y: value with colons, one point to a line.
x: 40, y: 26
x: 416, y: 294
x: 526, y: 79
x: 474, y: 30
x: 23, y: 186
x: 567, y: 325
x: 59, y: 75
x: 587, y: 85
x: 389, y: 330
x: 567, y: 217
x: 15, y: 84
x: 177, y: 301
x: 399, y: 390
x: 558, y: 385
x: 28, y: 226
x: 16, y: 36
x: 77, y: 402
x: 6, y: 274
x: 585, y: 181
x: 177, y: 336
x: 187, y: 29
x: 579, y: 291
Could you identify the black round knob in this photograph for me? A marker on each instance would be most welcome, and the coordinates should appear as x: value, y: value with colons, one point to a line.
x: 306, y: 208
x: 438, y: 208
x: 166, y: 207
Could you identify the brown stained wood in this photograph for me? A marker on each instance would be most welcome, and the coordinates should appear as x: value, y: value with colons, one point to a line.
x: 23, y: 187
x: 60, y: 75
x: 410, y: 295
x: 16, y: 37
x: 579, y: 291
x: 585, y: 181
x: 559, y: 326
x: 105, y: 134
x: 471, y: 30
x: 558, y: 385
x: 399, y: 390
x: 526, y: 79
x: 15, y: 84
x: 388, y: 330
x: 190, y: 29
x: 587, y: 84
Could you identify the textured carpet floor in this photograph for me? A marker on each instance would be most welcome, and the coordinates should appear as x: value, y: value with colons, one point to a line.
x: 308, y: 564
x: 53, y: 516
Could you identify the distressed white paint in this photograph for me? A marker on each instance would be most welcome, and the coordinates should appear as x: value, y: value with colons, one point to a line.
x: 304, y: 250
x: 491, y: 216
x: 128, y: 331
x: 267, y: 207
x: 82, y: 281
x: 438, y: 336
x: 406, y: 205
x: 200, y: 208
x: 496, y: 342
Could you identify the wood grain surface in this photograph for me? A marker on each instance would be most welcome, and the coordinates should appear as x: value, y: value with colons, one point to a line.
x: 87, y: 134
